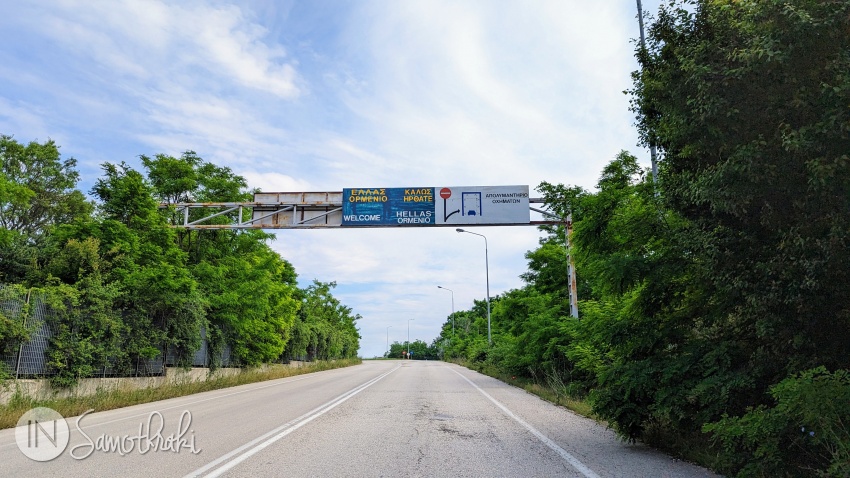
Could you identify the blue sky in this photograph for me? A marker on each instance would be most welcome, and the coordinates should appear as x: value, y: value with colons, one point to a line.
x: 325, y: 95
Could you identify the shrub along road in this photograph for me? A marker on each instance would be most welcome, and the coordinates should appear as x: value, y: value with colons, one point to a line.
x: 381, y: 418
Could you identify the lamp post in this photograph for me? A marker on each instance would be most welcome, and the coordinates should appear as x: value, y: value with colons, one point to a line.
x: 388, y: 340
x: 453, y: 307
x: 408, y: 337
x: 487, y: 269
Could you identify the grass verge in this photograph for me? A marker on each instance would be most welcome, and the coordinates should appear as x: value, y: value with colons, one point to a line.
x: 111, y: 399
x: 558, y: 396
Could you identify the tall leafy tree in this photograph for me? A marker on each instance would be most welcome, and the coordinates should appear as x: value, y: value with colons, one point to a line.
x: 88, y: 329
x: 125, y: 286
x: 37, y: 192
x: 38, y: 188
x: 250, y: 289
x: 747, y: 100
x: 252, y: 303
x: 163, y: 307
x: 324, y: 328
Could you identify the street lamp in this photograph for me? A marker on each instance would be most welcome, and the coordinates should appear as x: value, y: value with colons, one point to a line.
x: 388, y: 340
x: 487, y: 269
x: 408, y: 337
x: 453, y: 306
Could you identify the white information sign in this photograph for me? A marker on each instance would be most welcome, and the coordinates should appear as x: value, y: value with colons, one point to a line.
x: 469, y: 205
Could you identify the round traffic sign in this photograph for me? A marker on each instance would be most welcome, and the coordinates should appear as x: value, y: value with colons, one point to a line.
x: 445, y: 193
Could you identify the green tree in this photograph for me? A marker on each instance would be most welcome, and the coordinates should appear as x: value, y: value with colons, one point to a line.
x: 747, y: 100
x: 162, y: 304
x: 251, y: 290
x: 397, y: 350
x: 174, y: 180
x: 643, y: 346
x: 325, y: 329
x: 87, y: 331
x: 252, y: 303
x: 37, y: 192
x: 419, y: 350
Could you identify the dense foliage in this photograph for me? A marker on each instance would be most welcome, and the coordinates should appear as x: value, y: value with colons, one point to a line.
x: 419, y: 350
x: 714, y: 317
x: 713, y: 298
x: 124, y: 285
x: 324, y: 328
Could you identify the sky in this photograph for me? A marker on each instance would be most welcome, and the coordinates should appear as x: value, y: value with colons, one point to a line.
x: 321, y: 95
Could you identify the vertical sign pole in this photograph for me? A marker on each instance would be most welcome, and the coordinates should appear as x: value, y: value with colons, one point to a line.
x: 487, y: 269
x: 571, y: 271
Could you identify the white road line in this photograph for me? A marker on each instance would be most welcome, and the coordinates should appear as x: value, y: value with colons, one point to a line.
x: 578, y: 465
x: 297, y: 379
x: 256, y: 445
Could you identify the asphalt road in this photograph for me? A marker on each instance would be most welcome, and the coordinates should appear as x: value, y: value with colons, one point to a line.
x: 381, y: 418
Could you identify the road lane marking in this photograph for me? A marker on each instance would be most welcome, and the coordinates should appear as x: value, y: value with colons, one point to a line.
x: 305, y: 377
x: 256, y: 445
x: 578, y: 465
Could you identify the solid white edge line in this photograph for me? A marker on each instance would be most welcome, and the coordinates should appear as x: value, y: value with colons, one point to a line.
x: 88, y: 427
x: 281, y: 431
x: 578, y: 465
x: 216, y: 397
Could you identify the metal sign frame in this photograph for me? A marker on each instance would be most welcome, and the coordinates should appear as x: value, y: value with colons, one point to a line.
x: 295, y: 210
x: 323, y: 210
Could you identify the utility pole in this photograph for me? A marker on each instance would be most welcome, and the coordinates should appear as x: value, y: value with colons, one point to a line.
x: 572, y: 289
x: 571, y: 268
x: 652, y: 151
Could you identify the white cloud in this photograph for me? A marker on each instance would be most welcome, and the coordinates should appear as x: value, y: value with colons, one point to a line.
x: 487, y: 95
x: 18, y: 116
x: 269, y: 181
x: 367, y: 93
x: 149, y: 39
x: 236, y: 46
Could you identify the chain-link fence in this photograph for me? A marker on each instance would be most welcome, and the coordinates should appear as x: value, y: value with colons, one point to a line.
x: 31, y: 357
x: 12, y: 304
x: 28, y: 359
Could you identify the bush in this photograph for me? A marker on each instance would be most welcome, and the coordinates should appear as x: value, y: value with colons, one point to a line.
x: 807, y: 432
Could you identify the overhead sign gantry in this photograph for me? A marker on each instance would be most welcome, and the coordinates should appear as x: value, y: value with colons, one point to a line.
x: 430, y: 206
x: 371, y: 207
x: 378, y: 207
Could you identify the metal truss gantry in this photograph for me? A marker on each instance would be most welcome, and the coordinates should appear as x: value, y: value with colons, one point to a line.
x: 289, y: 210
x: 322, y: 210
